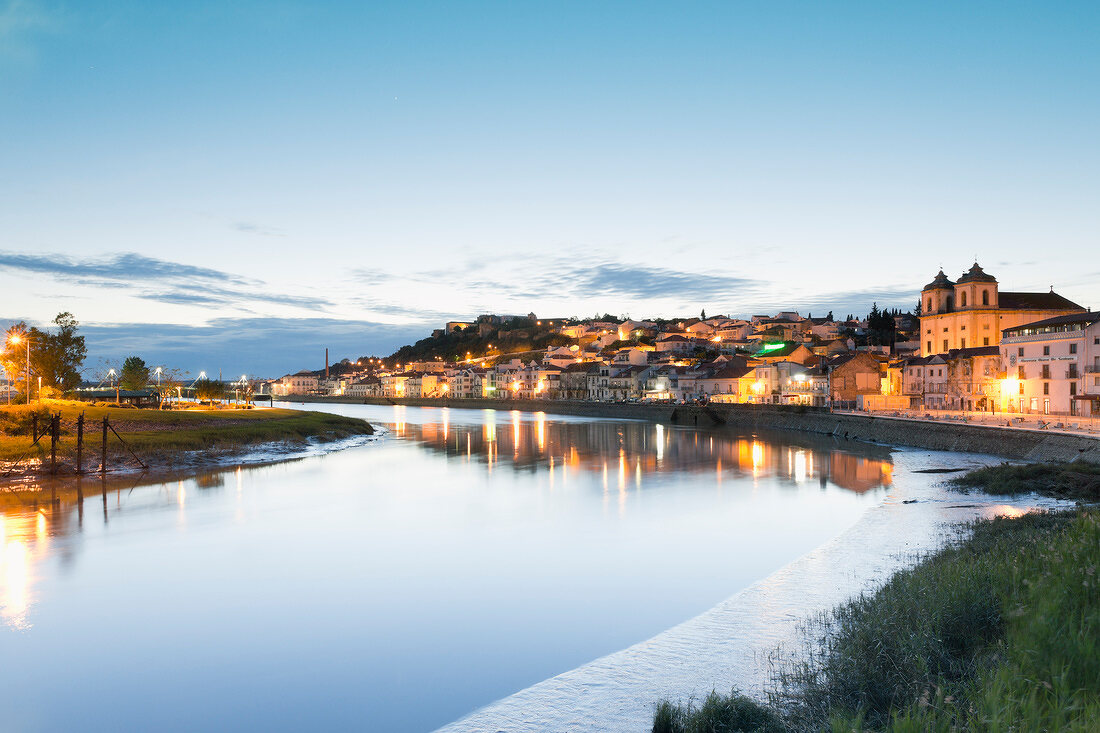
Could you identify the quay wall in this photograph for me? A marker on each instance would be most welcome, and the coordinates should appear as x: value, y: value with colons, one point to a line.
x: 1017, y: 443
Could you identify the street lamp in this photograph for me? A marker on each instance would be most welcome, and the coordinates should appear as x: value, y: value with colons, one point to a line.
x: 16, y: 339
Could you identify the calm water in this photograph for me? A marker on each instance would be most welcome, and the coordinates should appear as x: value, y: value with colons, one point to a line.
x: 401, y: 584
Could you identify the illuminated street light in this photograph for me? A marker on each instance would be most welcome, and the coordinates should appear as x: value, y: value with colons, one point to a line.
x: 15, y: 340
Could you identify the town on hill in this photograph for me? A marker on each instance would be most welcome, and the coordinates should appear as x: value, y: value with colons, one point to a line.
x: 967, y: 346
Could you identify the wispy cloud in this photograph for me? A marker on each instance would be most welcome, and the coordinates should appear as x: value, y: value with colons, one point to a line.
x: 255, y: 346
x: 579, y: 279
x: 158, y: 280
x: 20, y: 21
x: 123, y: 265
x: 658, y: 282
x: 249, y: 227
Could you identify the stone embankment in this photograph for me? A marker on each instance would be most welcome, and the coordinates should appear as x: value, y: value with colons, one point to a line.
x: 1010, y: 442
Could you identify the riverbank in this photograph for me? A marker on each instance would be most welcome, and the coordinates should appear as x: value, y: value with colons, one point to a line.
x: 162, y: 442
x: 1007, y: 442
x: 728, y: 645
x: 996, y: 631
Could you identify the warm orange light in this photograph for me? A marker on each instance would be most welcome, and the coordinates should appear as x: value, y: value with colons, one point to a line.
x: 16, y: 339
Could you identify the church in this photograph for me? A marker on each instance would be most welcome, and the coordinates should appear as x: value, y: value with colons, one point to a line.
x: 972, y: 311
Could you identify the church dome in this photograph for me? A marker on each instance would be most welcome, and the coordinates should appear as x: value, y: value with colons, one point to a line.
x: 976, y: 275
x: 940, y: 283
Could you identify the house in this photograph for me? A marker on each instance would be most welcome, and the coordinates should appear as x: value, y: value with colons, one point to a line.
x: 723, y: 384
x: 1053, y: 366
x: 301, y: 383
x: 573, y: 381
x: 851, y: 375
x: 784, y: 351
x: 675, y: 344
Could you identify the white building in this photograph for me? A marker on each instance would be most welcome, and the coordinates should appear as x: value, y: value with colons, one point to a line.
x: 1053, y: 366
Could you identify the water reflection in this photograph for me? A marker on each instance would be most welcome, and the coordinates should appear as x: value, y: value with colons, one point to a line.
x: 643, y: 451
x: 472, y: 553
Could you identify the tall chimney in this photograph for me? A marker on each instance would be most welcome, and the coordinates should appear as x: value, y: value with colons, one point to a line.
x: 326, y: 363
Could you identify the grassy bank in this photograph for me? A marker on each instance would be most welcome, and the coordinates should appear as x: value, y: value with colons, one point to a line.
x: 163, y: 438
x: 1079, y: 480
x: 1000, y: 631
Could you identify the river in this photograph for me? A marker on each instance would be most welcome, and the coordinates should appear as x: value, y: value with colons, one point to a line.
x: 401, y: 584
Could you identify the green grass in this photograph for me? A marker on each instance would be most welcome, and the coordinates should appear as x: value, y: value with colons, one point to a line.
x: 733, y: 712
x: 1078, y: 480
x: 1000, y: 631
x: 161, y: 436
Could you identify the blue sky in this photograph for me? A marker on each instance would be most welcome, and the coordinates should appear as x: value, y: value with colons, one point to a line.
x: 353, y: 174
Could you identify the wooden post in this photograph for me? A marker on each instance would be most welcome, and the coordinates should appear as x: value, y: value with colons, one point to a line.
x: 103, y: 458
x: 55, y: 435
x: 80, y: 444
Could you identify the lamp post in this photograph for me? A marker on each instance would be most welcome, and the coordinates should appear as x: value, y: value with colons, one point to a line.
x: 16, y: 339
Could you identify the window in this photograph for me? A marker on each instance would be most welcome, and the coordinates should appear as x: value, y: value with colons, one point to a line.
x: 1021, y: 373
x: 1046, y: 351
x: 985, y: 297
x: 1021, y: 350
x: 1046, y: 371
x: 929, y: 347
x: 1021, y: 388
x: 985, y: 341
x: 1072, y: 371
x: 962, y: 343
x: 945, y: 329
x: 1046, y: 387
x: 939, y: 372
x: 963, y: 328
x: 1072, y: 388
x: 1073, y: 348
x: 929, y: 305
x: 945, y: 344
x: 962, y: 300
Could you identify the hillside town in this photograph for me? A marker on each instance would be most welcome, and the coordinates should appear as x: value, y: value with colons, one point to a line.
x: 968, y: 347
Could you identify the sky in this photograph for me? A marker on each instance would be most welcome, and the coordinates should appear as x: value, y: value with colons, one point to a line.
x: 236, y: 186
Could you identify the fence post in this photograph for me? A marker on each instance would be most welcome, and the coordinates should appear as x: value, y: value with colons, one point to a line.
x: 80, y: 444
x: 55, y: 435
x: 103, y: 459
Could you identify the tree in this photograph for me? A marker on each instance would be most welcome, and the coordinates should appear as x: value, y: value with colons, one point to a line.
x: 209, y: 389
x: 703, y: 315
x: 134, y: 374
x: 55, y: 357
x: 829, y: 316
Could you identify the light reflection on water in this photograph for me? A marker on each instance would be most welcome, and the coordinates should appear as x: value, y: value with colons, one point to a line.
x: 399, y: 585
x: 644, y: 449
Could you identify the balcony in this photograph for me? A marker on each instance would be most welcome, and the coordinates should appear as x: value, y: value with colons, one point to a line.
x: 1092, y: 369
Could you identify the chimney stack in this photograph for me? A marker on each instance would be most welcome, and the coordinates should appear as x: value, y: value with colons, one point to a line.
x: 326, y: 363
